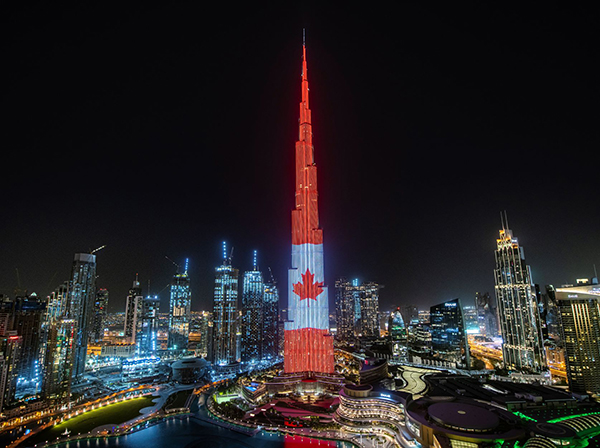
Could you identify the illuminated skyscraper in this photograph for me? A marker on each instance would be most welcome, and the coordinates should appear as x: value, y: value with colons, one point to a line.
x: 100, y: 311
x: 10, y: 349
x: 58, y: 363
x: 449, y: 334
x: 27, y: 321
x: 180, y: 307
x: 59, y: 337
x: 80, y: 307
x: 357, y: 309
x: 487, y: 314
x: 252, y: 314
x: 345, y: 310
x: 133, y: 308
x: 308, y: 344
x: 270, y: 329
x: 369, y: 309
x: 259, y: 322
x: 579, y: 311
x: 522, y: 343
x: 225, y: 313
x: 147, y: 336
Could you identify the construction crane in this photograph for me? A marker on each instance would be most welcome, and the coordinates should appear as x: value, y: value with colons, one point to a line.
x: 176, y: 265
x: 98, y: 249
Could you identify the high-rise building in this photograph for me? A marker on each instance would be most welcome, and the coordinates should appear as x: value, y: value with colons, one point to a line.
x: 270, y: 330
x: 27, y: 319
x: 80, y: 307
x: 252, y: 314
x: 59, y: 339
x: 449, y: 341
x: 520, y: 326
x: 487, y: 314
x: 147, y: 337
x: 133, y: 310
x: 308, y: 343
x: 201, y: 332
x: 357, y: 309
x: 10, y: 348
x: 100, y: 311
x: 225, y: 313
x: 58, y: 363
x: 180, y: 307
x: 344, y: 310
x: 579, y: 314
x: 369, y: 309
x: 259, y: 321
x: 410, y: 314
x: 398, y: 335
x: 470, y: 319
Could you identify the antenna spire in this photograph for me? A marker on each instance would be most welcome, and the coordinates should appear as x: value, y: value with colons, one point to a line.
x: 254, y: 258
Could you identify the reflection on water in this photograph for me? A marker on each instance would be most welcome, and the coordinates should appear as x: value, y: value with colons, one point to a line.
x: 193, y: 433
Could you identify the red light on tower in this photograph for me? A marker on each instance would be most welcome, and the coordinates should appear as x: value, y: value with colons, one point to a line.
x: 308, y: 346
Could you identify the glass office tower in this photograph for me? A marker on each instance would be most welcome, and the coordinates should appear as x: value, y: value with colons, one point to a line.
x: 225, y: 313
x: 449, y: 334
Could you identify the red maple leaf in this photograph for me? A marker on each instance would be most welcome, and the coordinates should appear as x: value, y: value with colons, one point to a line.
x: 308, y: 289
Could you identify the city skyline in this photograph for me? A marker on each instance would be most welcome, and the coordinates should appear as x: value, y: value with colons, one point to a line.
x: 416, y: 128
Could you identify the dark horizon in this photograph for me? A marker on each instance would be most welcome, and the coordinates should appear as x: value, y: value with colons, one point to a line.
x: 165, y: 130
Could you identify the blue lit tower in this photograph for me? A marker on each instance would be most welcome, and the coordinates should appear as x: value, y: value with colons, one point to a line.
x: 449, y: 334
x: 147, y: 336
x: 27, y: 321
x: 520, y: 325
x: 225, y: 313
x: 180, y: 307
x: 252, y: 313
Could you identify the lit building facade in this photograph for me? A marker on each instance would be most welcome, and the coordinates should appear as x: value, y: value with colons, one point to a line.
x: 357, y: 309
x: 449, y: 334
x: 225, y: 314
x: 344, y: 310
x: 368, y: 293
x: 100, y: 311
x: 133, y: 308
x: 520, y: 326
x: 10, y: 350
x: 270, y: 330
x: 58, y: 338
x: 308, y: 343
x: 398, y: 336
x: 147, y: 337
x: 180, y: 307
x: 58, y: 364
x: 80, y: 307
x: 252, y: 314
x: 579, y: 313
x: 487, y: 314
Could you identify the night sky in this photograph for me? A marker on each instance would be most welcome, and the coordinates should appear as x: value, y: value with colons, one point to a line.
x: 164, y: 130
